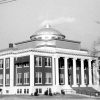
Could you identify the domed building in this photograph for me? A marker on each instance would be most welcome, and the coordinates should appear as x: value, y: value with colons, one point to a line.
x: 48, y: 62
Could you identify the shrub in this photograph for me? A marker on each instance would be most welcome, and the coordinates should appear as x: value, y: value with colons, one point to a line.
x: 46, y: 92
x: 36, y: 94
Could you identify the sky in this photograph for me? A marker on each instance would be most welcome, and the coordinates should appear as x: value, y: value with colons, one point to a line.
x: 77, y: 19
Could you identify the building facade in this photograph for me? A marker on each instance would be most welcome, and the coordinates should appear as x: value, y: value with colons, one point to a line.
x: 48, y: 61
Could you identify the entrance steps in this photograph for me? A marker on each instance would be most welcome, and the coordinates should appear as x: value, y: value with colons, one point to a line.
x: 86, y: 91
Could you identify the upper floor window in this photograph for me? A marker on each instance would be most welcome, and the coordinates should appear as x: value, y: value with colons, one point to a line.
x: 38, y: 77
x: 26, y: 78
x: 38, y: 61
x: 7, y: 79
x: 19, y: 78
x: 1, y: 79
x: 1, y: 63
x: 48, y: 62
x: 48, y: 79
x: 7, y: 62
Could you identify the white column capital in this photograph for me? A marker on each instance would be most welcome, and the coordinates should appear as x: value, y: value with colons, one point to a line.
x: 74, y: 58
x: 66, y: 57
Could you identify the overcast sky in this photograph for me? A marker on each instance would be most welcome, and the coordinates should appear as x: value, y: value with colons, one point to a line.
x: 77, y: 19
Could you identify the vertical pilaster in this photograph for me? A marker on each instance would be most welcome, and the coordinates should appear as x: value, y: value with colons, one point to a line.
x: 90, y: 72
x: 82, y: 73
x: 31, y: 71
x: 66, y: 71
x: 74, y: 72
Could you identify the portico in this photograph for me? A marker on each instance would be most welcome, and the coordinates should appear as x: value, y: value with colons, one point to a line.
x: 77, y: 71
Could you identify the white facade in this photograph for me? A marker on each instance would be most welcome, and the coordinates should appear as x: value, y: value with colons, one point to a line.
x: 69, y: 59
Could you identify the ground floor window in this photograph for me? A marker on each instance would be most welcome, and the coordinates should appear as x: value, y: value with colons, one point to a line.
x: 26, y: 91
x: 38, y: 77
x: 1, y: 79
x: 38, y: 90
x: 19, y: 91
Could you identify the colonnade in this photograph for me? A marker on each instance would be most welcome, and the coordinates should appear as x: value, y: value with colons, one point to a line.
x: 83, y: 84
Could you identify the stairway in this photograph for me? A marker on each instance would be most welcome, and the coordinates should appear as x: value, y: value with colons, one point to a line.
x: 86, y: 91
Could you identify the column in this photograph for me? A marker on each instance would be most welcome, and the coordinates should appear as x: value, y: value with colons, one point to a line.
x: 31, y: 72
x: 57, y: 71
x: 90, y: 72
x: 74, y: 72
x: 82, y: 73
x: 3, y: 92
x: 12, y: 75
x: 53, y: 71
x: 97, y: 72
x: 66, y: 71
x: 94, y: 73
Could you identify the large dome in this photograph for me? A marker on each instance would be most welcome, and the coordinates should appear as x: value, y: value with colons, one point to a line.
x: 47, y: 33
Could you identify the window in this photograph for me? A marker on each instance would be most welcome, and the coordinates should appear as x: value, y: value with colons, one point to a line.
x: 61, y: 78
x: 38, y: 61
x: 27, y: 91
x: 38, y: 90
x: 77, y: 78
x: 24, y: 91
x: 1, y: 63
x: 77, y: 68
x: 85, y: 79
x: 7, y: 79
x: 1, y: 79
x: 26, y: 78
x: 38, y: 77
x: 7, y: 62
x: 19, y: 78
x: 20, y: 91
x: 48, y: 79
x: 17, y: 90
x: 48, y: 62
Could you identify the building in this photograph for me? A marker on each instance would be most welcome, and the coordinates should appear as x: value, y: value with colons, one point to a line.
x: 48, y: 61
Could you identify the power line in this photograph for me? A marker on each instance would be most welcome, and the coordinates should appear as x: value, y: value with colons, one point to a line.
x: 6, y: 1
